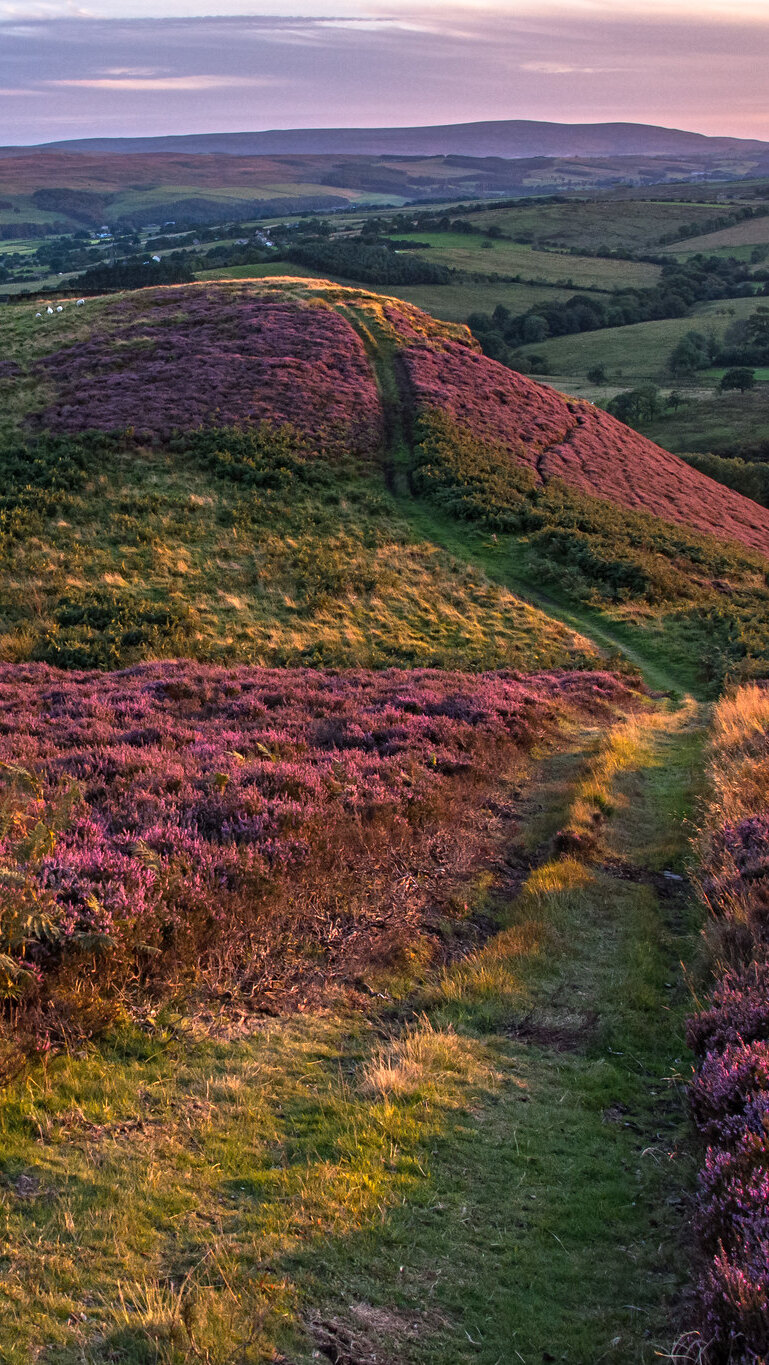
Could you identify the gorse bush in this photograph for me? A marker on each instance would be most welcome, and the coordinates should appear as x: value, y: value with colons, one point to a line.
x: 104, y: 630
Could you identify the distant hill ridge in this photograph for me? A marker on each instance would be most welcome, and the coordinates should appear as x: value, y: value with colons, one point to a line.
x: 507, y: 138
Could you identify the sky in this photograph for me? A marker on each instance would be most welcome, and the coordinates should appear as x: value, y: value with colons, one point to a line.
x: 143, y: 67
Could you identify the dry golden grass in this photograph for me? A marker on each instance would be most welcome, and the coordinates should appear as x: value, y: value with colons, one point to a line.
x: 739, y: 757
x: 427, y: 1061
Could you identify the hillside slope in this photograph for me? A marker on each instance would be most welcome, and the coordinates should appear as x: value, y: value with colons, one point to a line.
x: 291, y: 350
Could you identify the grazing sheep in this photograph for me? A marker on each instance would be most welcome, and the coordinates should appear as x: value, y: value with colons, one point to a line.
x: 49, y: 309
x: 38, y: 315
x: 79, y: 303
x: 59, y: 308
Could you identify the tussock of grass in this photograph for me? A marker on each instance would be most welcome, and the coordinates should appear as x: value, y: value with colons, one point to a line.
x: 426, y: 1062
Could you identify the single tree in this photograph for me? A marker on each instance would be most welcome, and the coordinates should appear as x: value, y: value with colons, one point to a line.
x: 739, y: 378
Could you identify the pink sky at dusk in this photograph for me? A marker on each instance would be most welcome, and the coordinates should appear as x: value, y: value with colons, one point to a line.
x: 139, y: 67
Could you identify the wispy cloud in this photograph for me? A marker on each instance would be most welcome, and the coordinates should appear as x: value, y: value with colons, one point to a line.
x: 166, y: 83
x: 382, y: 62
x: 561, y: 68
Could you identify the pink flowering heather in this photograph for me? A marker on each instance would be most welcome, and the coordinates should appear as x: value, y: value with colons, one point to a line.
x: 200, y: 792
x: 730, y: 1090
x: 189, y: 358
x: 571, y: 440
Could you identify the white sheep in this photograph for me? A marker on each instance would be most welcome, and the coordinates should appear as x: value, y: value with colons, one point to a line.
x: 49, y: 309
x: 59, y: 308
x: 38, y: 315
x: 79, y: 303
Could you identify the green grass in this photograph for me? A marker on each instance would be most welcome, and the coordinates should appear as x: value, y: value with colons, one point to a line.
x: 728, y: 423
x: 497, y: 1176
x: 605, y: 221
x: 320, y: 569
x: 664, y: 659
x: 638, y: 352
x: 262, y: 271
x: 467, y: 252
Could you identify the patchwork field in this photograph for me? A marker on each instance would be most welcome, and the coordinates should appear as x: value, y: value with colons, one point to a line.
x: 640, y: 351
x: 494, y: 257
x: 611, y: 222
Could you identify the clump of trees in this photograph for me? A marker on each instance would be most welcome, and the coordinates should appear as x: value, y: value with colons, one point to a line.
x: 135, y: 273
x: 681, y: 285
x: 378, y: 264
x: 745, y: 345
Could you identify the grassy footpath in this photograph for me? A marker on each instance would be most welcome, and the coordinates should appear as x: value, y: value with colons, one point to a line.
x: 484, y: 1171
x: 662, y: 657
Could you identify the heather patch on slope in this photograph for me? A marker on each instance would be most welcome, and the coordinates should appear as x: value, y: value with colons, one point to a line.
x: 175, y: 823
x: 213, y: 359
x: 700, y: 603
x: 571, y: 440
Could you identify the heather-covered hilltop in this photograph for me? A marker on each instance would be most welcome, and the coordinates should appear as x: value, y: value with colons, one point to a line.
x: 241, y: 471
x: 178, y: 358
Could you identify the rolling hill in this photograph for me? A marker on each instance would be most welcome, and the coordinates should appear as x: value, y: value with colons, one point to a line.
x: 289, y: 471
x: 294, y: 351
x: 343, y: 872
x: 509, y: 138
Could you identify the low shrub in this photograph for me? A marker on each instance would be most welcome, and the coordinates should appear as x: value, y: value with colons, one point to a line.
x: 730, y: 1037
x: 174, y: 823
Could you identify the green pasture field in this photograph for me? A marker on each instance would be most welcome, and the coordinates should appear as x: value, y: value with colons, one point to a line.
x: 635, y: 225
x: 727, y: 423
x: 752, y: 232
x: 455, y: 302
x: 638, y: 352
x: 467, y: 252
x: 23, y: 246
x: 726, y: 253
x: 259, y: 271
